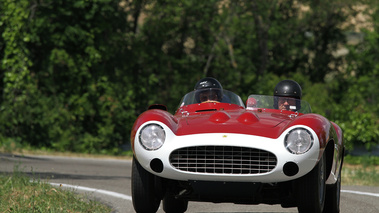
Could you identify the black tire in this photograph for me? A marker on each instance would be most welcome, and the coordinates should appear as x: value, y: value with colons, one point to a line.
x: 144, y: 198
x: 173, y: 205
x: 311, y: 189
x: 332, y: 198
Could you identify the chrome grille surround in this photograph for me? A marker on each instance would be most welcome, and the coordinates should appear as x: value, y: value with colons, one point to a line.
x: 223, y: 160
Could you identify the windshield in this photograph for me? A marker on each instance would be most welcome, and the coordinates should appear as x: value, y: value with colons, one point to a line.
x: 209, y: 95
x: 275, y: 102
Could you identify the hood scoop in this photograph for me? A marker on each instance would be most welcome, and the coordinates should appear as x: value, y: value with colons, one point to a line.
x: 248, y: 118
x: 219, y: 117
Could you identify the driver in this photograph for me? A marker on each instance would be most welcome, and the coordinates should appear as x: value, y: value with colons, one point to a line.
x: 287, y: 95
x: 208, y: 90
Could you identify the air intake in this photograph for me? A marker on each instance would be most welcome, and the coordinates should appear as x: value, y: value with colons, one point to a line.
x: 223, y: 160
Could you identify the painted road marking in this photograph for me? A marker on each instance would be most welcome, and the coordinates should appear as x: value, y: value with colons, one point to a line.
x: 361, y: 193
x: 101, y: 191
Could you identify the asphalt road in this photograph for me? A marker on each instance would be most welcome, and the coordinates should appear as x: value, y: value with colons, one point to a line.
x: 109, y: 181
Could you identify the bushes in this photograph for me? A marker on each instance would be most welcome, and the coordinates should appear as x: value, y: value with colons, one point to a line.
x: 56, y: 61
x: 75, y: 74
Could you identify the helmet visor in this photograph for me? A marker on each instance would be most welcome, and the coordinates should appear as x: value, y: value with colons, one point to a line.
x: 209, y: 95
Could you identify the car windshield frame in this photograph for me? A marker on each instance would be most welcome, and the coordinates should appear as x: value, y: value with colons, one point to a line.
x: 227, y: 97
x: 267, y: 102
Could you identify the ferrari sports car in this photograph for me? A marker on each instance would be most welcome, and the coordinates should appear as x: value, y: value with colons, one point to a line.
x: 216, y: 149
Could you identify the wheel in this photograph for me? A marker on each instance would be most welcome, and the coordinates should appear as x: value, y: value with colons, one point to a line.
x: 311, y: 189
x: 144, y: 198
x: 173, y: 205
x: 332, y: 197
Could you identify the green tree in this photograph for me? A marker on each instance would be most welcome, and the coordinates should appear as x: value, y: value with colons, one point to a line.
x: 75, y: 74
x: 359, y: 104
x: 68, y: 97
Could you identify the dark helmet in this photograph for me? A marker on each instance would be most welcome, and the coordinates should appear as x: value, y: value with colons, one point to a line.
x: 287, y: 88
x: 208, y: 82
x: 206, y: 85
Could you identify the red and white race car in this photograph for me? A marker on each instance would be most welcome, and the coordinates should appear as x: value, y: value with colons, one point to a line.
x: 222, y: 151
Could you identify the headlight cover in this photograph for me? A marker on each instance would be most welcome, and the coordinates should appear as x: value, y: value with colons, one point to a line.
x: 152, y: 136
x: 298, y: 141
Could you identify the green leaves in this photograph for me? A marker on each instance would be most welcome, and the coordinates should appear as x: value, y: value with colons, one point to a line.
x: 75, y: 74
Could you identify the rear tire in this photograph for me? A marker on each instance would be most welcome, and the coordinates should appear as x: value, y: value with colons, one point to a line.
x: 144, y: 198
x: 173, y: 205
x: 311, y: 189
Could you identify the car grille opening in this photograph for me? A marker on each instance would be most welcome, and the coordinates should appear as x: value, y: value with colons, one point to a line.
x: 223, y: 160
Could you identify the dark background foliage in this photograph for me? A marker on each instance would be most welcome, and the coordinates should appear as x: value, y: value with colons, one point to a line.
x: 75, y: 74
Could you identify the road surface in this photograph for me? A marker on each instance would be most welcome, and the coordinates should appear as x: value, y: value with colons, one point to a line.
x: 109, y: 181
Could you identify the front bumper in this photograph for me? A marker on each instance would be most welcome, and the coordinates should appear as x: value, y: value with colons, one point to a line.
x: 226, y: 157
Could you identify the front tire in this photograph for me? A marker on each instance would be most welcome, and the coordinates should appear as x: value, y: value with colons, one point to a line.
x: 332, y: 199
x: 144, y: 198
x: 311, y: 189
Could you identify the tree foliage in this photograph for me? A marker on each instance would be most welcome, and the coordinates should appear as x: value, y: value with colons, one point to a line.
x: 75, y: 74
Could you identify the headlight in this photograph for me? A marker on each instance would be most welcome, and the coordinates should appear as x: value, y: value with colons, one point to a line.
x: 298, y: 141
x: 152, y: 137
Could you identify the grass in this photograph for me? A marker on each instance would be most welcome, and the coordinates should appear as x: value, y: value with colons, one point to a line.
x: 361, y: 171
x: 20, y: 194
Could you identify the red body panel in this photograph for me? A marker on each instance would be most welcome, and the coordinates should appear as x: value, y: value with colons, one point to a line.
x: 226, y: 118
x: 235, y: 121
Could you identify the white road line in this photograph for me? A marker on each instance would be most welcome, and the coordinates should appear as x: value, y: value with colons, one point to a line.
x: 101, y: 191
x: 361, y: 193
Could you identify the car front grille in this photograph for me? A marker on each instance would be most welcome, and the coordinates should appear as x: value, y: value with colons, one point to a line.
x: 223, y: 160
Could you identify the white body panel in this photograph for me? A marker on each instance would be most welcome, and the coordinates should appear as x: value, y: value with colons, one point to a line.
x: 305, y: 161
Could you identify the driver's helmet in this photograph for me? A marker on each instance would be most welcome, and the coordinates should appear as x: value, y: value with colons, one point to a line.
x: 289, y: 89
x: 208, y: 90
